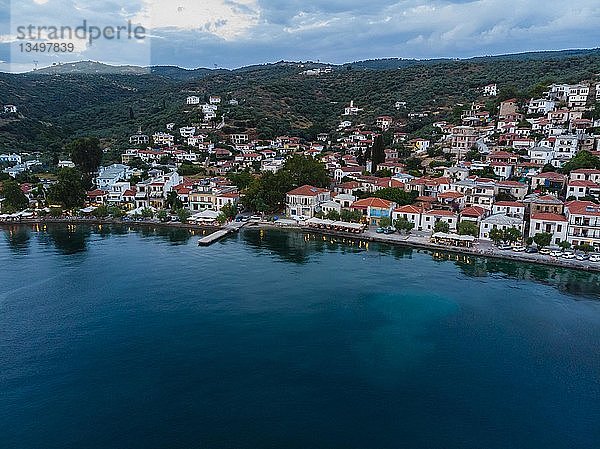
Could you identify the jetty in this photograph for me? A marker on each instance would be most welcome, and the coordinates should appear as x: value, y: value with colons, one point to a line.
x: 230, y: 228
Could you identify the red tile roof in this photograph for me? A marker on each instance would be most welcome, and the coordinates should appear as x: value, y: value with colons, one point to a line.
x: 582, y: 183
x: 509, y: 204
x: 440, y: 213
x: 372, y: 202
x: 547, y: 216
x: 583, y: 208
x: 409, y: 209
x: 307, y: 190
x: 473, y: 211
x: 450, y: 195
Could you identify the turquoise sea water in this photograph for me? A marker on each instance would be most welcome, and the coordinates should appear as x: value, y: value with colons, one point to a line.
x: 118, y: 338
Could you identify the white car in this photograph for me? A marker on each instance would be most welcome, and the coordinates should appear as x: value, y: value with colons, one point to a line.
x: 555, y: 253
x: 595, y: 258
x: 518, y: 248
x: 568, y: 255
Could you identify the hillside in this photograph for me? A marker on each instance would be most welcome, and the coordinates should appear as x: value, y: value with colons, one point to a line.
x: 275, y: 98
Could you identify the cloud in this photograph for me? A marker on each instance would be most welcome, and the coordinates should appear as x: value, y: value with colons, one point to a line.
x: 231, y: 33
x: 223, y: 18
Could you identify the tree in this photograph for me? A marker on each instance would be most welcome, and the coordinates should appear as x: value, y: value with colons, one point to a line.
x: 397, y: 195
x: 496, y: 235
x: 229, y: 210
x: 467, y: 227
x: 333, y: 215
x: 68, y: 190
x: 116, y: 212
x: 14, y: 198
x: 542, y: 239
x: 512, y: 235
x: 183, y: 215
x: 583, y: 159
x: 101, y: 212
x: 385, y: 222
x: 241, y: 180
x: 172, y: 201
x: 585, y: 247
x: 301, y: 170
x: 352, y: 216
x: 162, y: 215
x: 402, y: 224
x: 548, y: 168
x: 378, y: 153
x: 86, y: 154
x: 147, y: 212
x: 221, y: 218
x: 564, y: 245
x: 441, y: 226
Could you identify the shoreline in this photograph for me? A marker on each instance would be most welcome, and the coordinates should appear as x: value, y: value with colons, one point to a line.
x: 409, y: 241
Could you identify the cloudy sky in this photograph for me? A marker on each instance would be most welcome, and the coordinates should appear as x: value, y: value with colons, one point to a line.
x: 233, y: 33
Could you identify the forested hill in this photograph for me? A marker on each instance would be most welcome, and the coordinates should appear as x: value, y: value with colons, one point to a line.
x: 62, y: 102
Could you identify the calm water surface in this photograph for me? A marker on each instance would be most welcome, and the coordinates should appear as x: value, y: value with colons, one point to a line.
x: 115, y: 338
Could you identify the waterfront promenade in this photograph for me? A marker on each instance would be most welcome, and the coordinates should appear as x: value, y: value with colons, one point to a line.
x: 415, y: 239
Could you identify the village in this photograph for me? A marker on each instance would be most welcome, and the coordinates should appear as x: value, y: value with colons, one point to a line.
x: 523, y: 176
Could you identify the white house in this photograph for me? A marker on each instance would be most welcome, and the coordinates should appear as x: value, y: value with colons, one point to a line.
x: 139, y: 139
x: 303, y: 201
x: 551, y: 223
x: 187, y: 131
x: 509, y: 208
x: 10, y: 158
x: 110, y: 175
x: 410, y: 213
x: 584, y: 223
x: 491, y: 90
x: 162, y: 139
x: 351, y: 109
x: 193, y: 100
x: 499, y: 221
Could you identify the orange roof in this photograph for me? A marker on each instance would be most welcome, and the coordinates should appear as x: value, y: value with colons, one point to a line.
x: 547, y: 216
x: 450, y: 195
x: 473, y: 211
x: 349, y: 185
x: 586, y: 171
x: 509, y: 203
x: 551, y: 175
x: 440, y: 213
x: 97, y: 192
x: 583, y: 183
x: 307, y: 190
x: 583, y: 208
x: 372, y: 202
x: 409, y: 209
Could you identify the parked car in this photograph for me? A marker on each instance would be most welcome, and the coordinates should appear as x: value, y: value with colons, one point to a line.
x: 582, y: 256
x: 595, y: 258
x: 531, y: 250
x: 568, y: 255
x: 545, y: 251
x: 556, y: 253
x: 504, y: 246
x: 258, y: 218
x: 380, y: 230
x: 518, y: 248
x: 389, y: 230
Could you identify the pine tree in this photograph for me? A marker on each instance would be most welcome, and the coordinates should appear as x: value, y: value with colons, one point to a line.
x: 378, y: 153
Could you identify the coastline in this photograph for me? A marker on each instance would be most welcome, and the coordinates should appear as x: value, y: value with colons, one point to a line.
x: 410, y: 241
